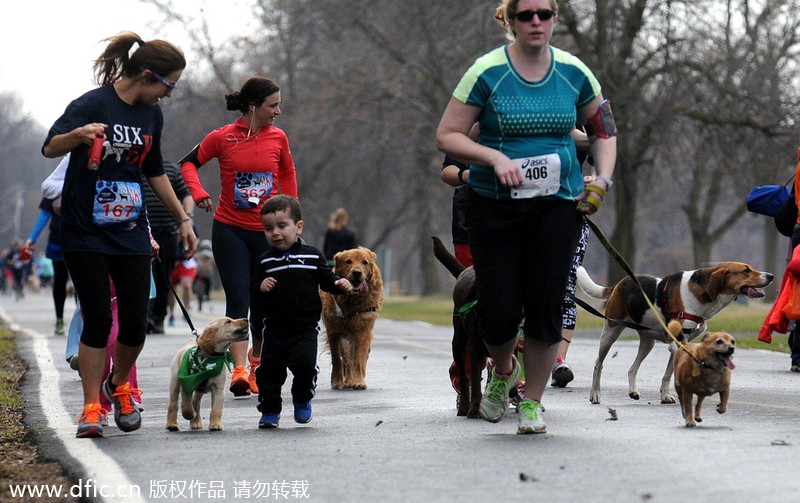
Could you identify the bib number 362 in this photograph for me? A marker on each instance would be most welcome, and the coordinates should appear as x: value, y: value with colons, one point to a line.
x: 541, y: 176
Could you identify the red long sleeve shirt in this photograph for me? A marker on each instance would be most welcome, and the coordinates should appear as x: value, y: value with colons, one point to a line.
x: 256, y: 166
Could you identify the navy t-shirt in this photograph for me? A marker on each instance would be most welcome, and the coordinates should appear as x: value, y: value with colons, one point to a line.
x: 104, y: 210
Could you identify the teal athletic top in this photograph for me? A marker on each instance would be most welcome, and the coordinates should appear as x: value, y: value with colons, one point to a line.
x: 530, y: 122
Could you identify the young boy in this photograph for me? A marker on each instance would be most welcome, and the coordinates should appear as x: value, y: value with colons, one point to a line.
x: 287, y: 284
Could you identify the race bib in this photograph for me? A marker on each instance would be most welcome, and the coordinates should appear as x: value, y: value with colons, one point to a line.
x: 250, y: 189
x: 541, y: 176
x: 116, y: 202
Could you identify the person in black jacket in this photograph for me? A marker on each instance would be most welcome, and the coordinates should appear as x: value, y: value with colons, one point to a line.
x: 286, y: 284
x: 339, y: 236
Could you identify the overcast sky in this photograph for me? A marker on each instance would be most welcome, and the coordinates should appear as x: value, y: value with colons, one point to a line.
x: 47, y: 47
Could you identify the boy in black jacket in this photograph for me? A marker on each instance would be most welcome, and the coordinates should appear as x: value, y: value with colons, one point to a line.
x: 287, y: 284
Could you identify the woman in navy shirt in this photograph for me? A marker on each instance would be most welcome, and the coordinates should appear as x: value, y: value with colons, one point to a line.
x: 104, y: 234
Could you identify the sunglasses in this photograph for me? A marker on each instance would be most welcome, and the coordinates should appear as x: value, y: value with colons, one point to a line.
x: 527, y: 15
x: 170, y: 85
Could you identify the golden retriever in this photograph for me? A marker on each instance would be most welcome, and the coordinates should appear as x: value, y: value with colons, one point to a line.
x: 349, y: 318
x: 214, y: 342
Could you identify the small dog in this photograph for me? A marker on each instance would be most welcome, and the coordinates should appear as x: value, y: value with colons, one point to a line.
x: 702, y: 369
x: 211, y: 348
x: 691, y: 296
x: 465, y: 331
x: 350, y: 318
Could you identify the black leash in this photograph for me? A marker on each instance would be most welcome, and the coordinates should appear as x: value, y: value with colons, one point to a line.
x: 177, y: 298
x: 624, y: 323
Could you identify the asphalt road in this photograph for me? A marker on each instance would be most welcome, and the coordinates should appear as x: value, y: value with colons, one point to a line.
x: 400, y: 440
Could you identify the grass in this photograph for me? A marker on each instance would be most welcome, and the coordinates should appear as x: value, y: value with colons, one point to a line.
x: 20, y: 462
x: 743, y: 320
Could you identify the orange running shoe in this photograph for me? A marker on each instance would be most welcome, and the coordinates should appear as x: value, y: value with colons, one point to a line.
x: 239, y: 384
x: 251, y: 378
x: 90, y: 422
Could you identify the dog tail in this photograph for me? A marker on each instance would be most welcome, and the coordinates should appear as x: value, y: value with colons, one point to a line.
x: 589, y: 287
x: 446, y: 258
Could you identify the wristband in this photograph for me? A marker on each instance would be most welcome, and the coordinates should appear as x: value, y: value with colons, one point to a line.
x: 187, y: 219
x: 461, y: 176
x: 606, y: 179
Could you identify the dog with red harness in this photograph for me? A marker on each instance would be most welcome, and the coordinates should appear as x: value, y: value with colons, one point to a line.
x: 692, y: 297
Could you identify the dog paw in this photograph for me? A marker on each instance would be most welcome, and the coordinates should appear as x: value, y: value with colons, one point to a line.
x: 698, y: 419
x: 337, y: 385
x: 594, y: 397
x: 721, y: 408
x: 215, y: 427
x: 473, y: 414
x: 690, y: 424
x: 667, y: 399
x: 196, y: 425
x: 635, y: 395
x: 172, y: 427
x: 359, y: 386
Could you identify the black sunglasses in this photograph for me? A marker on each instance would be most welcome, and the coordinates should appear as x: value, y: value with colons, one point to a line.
x: 527, y: 15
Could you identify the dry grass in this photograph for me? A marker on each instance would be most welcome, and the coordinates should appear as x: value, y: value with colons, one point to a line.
x: 20, y: 463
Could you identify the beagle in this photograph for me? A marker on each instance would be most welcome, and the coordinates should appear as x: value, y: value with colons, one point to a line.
x: 692, y: 297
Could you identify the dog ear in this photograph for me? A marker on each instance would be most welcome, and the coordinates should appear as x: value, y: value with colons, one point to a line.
x: 716, y: 282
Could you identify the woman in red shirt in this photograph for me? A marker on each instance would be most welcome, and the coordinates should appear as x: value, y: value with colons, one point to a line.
x: 255, y: 163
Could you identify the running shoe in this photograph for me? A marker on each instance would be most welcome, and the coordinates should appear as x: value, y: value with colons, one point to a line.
x: 90, y: 422
x: 530, y: 417
x: 59, y: 327
x: 562, y: 374
x: 302, y: 412
x: 269, y: 420
x: 251, y: 377
x: 239, y: 383
x: 494, y: 403
x: 126, y: 413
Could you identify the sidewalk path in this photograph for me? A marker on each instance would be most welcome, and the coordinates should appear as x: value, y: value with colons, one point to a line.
x: 400, y: 440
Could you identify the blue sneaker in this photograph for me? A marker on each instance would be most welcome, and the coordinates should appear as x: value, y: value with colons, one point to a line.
x: 269, y: 420
x: 302, y: 412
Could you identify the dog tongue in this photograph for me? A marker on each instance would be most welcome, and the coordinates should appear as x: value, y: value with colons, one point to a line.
x: 728, y: 362
x: 754, y: 293
x: 362, y: 288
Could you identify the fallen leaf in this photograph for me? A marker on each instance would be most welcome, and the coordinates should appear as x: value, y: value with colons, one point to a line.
x: 524, y: 477
x: 379, y: 423
x: 613, y: 413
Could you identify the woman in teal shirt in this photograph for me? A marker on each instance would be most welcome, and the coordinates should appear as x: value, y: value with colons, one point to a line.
x: 526, y: 192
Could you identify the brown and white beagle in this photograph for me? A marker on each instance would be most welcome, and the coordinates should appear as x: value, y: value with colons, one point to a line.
x: 692, y: 297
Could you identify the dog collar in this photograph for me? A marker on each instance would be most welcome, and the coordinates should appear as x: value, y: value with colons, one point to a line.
x: 340, y: 313
x: 687, y: 316
x: 196, y: 369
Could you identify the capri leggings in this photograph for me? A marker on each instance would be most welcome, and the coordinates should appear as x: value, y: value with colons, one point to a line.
x: 60, y: 279
x: 90, y: 273
x: 569, y: 311
x: 236, y: 252
x: 523, y: 252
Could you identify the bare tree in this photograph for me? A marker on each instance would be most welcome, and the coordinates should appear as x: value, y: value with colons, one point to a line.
x: 23, y: 168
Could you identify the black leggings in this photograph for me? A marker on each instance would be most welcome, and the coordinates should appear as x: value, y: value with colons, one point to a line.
x: 523, y: 252
x: 236, y: 253
x: 131, y: 276
x: 60, y: 278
